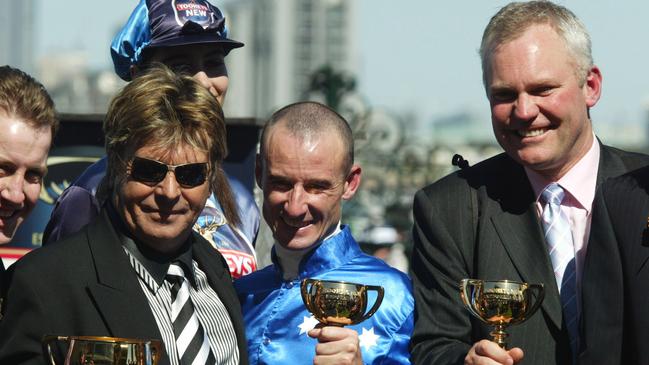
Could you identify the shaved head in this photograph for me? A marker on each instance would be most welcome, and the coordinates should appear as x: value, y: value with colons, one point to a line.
x: 307, y: 120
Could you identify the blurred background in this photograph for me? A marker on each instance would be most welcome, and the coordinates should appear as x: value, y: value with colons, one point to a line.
x: 405, y: 74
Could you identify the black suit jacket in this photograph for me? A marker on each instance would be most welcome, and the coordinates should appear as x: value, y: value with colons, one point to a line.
x: 481, y: 222
x: 616, y: 278
x: 86, y: 286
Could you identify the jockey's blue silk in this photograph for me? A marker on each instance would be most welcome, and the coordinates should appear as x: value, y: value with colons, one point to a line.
x: 277, y: 320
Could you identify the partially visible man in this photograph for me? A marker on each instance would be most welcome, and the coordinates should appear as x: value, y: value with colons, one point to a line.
x: 189, y: 37
x: 139, y: 270
x: 523, y: 215
x: 306, y: 169
x: 28, y: 124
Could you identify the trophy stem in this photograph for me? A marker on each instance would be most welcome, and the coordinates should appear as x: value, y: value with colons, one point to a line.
x: 499, y: 336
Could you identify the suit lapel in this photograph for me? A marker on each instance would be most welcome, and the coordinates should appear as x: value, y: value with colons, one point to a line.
x: 522, y: 238
x: 634, y: 211
x: 610, y: 165
x: 520, y: 233
x: 117, y: 293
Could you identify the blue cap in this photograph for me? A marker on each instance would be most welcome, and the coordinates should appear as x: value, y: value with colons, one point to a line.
x: 167, y: 23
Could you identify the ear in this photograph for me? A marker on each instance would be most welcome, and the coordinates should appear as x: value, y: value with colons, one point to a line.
x: 593, y: 86
x: 352, y: 182
x: 259, y: 171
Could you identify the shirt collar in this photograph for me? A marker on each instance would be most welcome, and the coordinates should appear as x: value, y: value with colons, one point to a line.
x: 158, y: 265
x: 579, y: 182
x: 333, y: 252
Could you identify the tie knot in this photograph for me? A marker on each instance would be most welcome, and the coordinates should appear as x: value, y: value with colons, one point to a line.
x: 175, y: 273
x: 552, y: 194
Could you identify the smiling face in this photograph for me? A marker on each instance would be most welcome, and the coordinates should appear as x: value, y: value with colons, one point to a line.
x: 161, y: 215
x: 23, y: 163
x: 304, y: 184
x: 539, y: 107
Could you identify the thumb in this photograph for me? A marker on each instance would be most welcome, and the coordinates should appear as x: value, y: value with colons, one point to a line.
x: 314, y: 333
x: 516, y: 354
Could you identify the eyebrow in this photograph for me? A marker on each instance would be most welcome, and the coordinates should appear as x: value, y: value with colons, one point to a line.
x: 314, y: 181
x: 273, y: 177
x: 40, y: 170
x: 531, y: 84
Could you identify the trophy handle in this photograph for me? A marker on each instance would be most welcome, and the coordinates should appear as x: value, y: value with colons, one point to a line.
x: 46, y: 342
x: 377, y: 302
x: 466, y: 295
x: 306, y: 297
x: 304, y: 290
x: 538, y: 288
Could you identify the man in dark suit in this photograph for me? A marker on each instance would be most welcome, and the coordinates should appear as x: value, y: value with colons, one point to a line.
x: 27, y: 126
x: 499, y: 219
x: 139, y: 271
x: 615, y: 299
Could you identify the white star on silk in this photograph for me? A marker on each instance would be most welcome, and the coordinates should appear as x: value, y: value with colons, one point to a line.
x: 368, y: 338
x: 308, y: 324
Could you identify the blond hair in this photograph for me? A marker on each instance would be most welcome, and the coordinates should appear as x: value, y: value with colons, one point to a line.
x: 514, y: 19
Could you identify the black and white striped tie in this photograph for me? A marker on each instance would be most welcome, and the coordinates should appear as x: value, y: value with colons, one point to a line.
x: 192, y: 345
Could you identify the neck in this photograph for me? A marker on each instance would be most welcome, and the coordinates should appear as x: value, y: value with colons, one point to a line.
x: 290, y: 260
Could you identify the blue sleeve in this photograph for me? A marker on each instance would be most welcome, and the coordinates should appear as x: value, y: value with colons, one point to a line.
x: 77, y: 205
x: 399, y: 352
x: 247, y: 209
x: 75, y: 208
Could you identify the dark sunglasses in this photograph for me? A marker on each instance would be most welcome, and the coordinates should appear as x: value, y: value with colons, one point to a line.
x: 152, y: 172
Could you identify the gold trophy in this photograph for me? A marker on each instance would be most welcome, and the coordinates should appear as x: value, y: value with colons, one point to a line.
x: 501, y: 303
x: 89, y: 350
x: 339, y: 303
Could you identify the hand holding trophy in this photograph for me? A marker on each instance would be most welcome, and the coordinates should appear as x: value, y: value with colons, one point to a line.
x: 88, y: 350
x: 501, y: 303
x: 339, y: 303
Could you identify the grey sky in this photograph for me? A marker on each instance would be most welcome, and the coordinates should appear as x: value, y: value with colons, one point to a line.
x: 416, y: 55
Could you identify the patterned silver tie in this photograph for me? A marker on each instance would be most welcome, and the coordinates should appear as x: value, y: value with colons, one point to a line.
x: 192, y: 345
x: 558, y: 236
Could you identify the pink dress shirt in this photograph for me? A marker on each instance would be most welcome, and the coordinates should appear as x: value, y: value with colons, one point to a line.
x: 579, y: 185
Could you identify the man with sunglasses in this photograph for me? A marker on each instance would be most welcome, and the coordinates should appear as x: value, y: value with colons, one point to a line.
x: 188, y: 37
x: 306, y: 169
x: 139, y: 270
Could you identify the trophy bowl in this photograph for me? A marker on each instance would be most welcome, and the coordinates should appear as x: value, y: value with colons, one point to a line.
x: 339, y: 303
x: 90, y: 350
x: 501, y: 303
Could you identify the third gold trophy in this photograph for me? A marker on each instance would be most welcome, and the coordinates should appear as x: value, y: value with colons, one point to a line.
x: 501, y: 303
